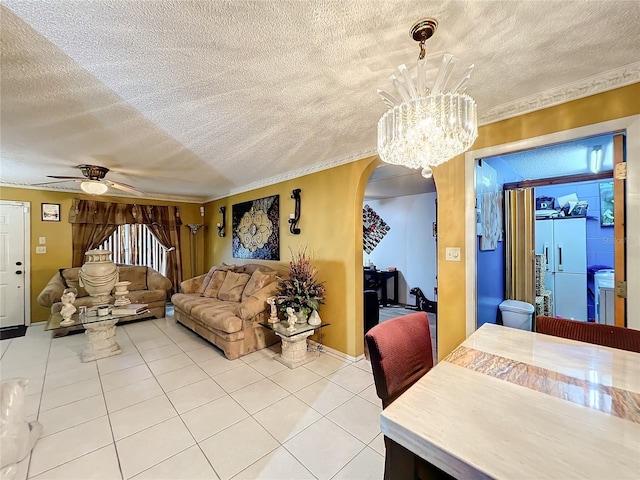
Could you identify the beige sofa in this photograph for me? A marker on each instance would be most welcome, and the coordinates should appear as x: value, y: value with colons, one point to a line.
x: 226, y: 305
x: 147, y: 286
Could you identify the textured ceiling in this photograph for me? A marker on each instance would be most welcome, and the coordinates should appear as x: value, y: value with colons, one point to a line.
x: 202, y: 99
x: 559, y: 160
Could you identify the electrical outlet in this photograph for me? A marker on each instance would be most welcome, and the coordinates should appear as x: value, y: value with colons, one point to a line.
x: 453, y: 254
x: 41, y: 249
x: 42, y: 240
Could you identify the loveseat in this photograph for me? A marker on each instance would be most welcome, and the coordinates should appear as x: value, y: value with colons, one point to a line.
x: 147, y: 286
x: 226, y: 305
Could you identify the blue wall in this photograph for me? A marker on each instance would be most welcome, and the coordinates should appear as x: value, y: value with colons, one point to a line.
x: 600, y: 240
x: 490, y: 263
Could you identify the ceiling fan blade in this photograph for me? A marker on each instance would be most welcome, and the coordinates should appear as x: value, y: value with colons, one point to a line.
x: 125, y: 188
x: 60, y: 181
x: 66, y: 178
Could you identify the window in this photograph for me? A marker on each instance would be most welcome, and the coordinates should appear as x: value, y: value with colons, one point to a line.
x: 134, y: 244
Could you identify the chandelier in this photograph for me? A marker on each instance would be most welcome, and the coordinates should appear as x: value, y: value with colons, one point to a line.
x: 427, y: 126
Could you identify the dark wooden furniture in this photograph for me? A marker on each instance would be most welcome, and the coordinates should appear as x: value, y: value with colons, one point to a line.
x: 596, y: 333
x: 400, y: 354
x: 377, y: 280
x: 371, y: 309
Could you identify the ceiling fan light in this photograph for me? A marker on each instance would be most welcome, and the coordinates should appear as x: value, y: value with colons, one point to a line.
x: 93, y: 187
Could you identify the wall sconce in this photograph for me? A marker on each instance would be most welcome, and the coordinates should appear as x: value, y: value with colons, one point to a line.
x: 194, y: 227
x: 294, y: 218
x: 222, y: 225
x: 202, y: 210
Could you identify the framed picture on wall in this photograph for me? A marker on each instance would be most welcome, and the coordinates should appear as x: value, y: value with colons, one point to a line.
x: 256, y: 229
x: 50, y: 212
x: 606, y: 204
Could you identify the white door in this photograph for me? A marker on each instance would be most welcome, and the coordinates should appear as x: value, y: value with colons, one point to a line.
x: 571, y: 296
x: 13, y: 285
x: 544, y: 243
x: 570, y: 238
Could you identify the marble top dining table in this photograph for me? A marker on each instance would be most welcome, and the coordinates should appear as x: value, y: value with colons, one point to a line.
x: 512, y: 404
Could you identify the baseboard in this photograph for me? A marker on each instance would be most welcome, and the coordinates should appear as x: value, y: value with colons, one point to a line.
x: 336, y: 353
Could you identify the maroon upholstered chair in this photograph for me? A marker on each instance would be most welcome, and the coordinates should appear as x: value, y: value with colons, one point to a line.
x: 596, y: 333
x: 400, y: 354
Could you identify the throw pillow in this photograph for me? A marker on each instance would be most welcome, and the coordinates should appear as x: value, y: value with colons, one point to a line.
x: 70, y: 277
x: 206, y: 280
x: 232, y: 287
x: 135, y: 274
x: 257, y: 281
x: 217, y: 279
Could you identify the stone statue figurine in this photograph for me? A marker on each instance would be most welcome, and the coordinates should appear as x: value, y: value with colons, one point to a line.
x: 68, y: 308
x: 274, y: 311
x: 291, y: 319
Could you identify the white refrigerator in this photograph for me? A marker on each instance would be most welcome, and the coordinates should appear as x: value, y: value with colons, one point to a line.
x: 563, y: 241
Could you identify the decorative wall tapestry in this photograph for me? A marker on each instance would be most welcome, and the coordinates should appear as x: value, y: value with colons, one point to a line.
x: 374, y: 228
x: 492, y: 214
x: 256, y: 229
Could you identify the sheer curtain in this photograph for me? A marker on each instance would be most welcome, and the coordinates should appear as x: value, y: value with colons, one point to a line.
x: 92, y: 222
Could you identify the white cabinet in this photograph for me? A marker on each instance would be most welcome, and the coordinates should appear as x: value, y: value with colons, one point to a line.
x: 606, y: 304
x: 563, y: 241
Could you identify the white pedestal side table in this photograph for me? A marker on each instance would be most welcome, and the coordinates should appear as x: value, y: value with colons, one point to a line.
x: 294, y: 342
x: 101, y: 340
x: 100, y: 332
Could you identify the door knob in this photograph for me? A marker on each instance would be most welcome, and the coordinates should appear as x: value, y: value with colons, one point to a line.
x: 18, y: 272
x: 18, y: 263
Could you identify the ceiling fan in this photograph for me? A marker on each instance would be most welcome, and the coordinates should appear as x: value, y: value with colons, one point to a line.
x: 94, y: 182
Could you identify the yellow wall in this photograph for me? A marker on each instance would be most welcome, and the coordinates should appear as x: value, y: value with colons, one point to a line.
x: 58, y: 235
x: 331, y: 205
x: 332, y: 224
x: 450, y: 183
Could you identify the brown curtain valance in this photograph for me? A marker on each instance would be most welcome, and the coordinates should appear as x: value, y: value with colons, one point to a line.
x: 93, y: 222
x: 108, y: 213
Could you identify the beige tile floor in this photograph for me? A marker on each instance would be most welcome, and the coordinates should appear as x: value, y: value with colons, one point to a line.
x: 172, y: 407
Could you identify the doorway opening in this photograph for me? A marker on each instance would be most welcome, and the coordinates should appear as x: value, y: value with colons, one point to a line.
x: 572, y: 229
x: 628, y: 126
x: 399, y: 246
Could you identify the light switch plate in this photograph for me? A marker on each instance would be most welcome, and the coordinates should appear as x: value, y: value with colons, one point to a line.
x: 453, y: 254
x: 41, y: 249
x: 42, y: 240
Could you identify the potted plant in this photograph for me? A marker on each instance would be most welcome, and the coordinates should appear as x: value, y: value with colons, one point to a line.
x: 301, y: 291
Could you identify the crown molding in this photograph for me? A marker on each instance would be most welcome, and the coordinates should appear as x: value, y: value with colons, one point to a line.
x: 299, y: 172
x: 620, y: 77
x: 585, y: 87
x: 111, y: 193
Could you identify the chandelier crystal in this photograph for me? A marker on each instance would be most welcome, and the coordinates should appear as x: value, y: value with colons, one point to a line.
x: 427, y: 126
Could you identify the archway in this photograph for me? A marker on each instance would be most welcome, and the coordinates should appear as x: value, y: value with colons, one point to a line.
x: 398, y: 244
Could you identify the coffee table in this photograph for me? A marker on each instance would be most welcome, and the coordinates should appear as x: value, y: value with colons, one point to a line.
x: 294, y: 343
x: 100, y: 332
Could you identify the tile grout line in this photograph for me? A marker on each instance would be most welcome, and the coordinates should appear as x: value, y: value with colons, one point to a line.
x: 208, y: 376
x: 151, y: 426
